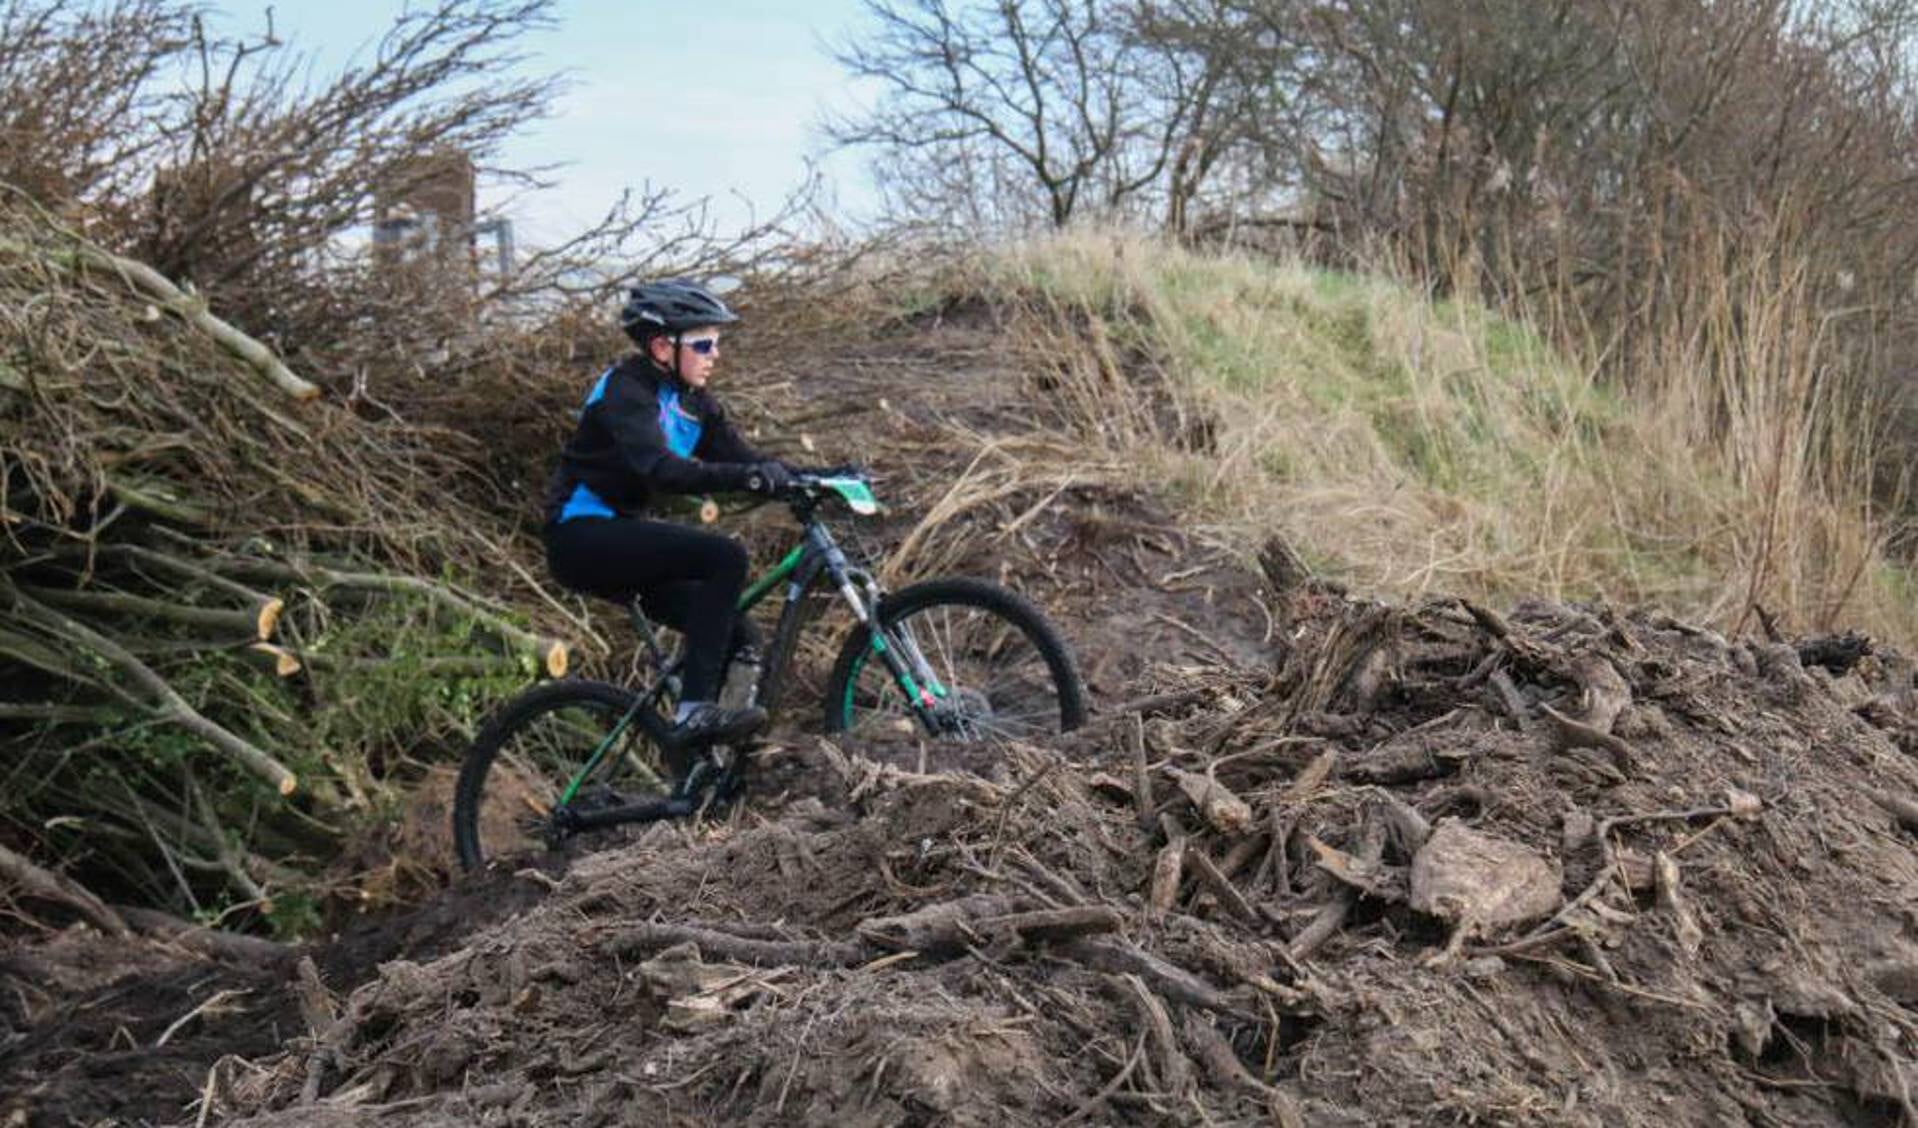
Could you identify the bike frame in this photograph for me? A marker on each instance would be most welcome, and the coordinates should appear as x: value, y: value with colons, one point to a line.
x: 817, y: 556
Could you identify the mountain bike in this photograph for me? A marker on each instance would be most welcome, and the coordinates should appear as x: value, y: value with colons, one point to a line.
x: 945, y: 660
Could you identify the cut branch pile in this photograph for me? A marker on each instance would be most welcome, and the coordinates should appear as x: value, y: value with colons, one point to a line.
x: 196, y: 553
x: 1445, y: 863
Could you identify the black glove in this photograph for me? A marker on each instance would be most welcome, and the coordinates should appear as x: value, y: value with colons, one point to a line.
x: 769, y: 479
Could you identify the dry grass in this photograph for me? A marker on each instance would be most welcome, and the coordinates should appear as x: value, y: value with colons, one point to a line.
x: 1410, y: 445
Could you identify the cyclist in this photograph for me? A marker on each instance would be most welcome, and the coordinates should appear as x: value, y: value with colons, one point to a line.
x: 651, y: 427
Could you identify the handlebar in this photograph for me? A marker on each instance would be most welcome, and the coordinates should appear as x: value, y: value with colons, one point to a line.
x: 808, y: 490
x: 815, y: 484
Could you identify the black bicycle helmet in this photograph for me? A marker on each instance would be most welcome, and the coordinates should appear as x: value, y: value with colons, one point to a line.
x: 672, y: 306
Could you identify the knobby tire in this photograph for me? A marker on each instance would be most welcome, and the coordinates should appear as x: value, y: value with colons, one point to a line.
x: 1012, y: 609
x: 514, y: 718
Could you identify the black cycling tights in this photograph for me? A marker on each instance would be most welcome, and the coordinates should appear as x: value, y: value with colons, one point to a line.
x: 687, y: 579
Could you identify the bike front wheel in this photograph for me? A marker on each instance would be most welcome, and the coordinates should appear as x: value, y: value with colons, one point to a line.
x: 572, y: 745
x: 983, y: 665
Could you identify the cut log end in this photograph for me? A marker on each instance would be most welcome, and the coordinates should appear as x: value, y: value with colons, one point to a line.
x: 1226, y: 812
x: 556, y: 658
x: 288, y: 785
x: 269, y: 618
x: 285, y: 663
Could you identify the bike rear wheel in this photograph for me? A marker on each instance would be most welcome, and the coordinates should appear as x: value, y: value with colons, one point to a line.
x: 532, y: 749
x: 999, y: 670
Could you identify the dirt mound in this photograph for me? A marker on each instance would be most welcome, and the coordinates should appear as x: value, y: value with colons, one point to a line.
x: 1570, y: 867
x: 99, y: 1029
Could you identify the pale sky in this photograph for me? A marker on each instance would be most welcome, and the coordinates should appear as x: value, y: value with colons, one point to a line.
x: 719, y: 98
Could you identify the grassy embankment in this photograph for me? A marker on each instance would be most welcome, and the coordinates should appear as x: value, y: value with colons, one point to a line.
x: 1406, y: 445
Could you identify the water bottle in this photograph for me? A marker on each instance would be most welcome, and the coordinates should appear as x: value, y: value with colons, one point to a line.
x: 742, y: 679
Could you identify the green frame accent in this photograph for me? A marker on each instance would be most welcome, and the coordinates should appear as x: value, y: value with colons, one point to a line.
x: 765, y: 583
x: 592, y: 762
x: 858, y: 497
x: 747, y: 600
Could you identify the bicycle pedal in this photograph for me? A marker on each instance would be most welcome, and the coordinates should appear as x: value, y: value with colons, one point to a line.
x: 698, y: 775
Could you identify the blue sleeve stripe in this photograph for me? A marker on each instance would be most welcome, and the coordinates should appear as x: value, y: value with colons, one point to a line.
x: 599, y: 389
x: 681, y: 428
x: 585, y: 503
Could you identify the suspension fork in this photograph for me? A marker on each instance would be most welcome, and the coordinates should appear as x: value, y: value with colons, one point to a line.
x: 902, y: 656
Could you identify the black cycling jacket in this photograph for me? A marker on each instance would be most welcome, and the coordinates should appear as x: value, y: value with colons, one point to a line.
x: 619, y: 450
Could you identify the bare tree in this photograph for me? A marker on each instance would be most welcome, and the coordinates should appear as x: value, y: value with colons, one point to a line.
x: 1029, y: 104
x: 1012, y: 112
x: 258, y: 151
x: 1226, y: 77
x: 77, y: 92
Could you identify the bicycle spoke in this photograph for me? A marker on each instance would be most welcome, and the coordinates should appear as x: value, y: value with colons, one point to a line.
x: 995, y: 684
x: 944, y: 639
x: 542, y: 752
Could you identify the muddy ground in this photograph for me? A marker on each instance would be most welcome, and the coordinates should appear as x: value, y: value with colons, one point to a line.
x: 1317, y: 860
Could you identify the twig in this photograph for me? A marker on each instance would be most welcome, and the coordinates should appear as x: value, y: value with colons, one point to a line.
x: 1167, y: 869
x: 1175, y: 1073
x: 1049, y: 925
x: 644, y: 939
x: 1242, y: 851
x: 1492, y: 621
x: 1602, y: 835
x: 1371, y: 839
x: 1312, y: 777
x: 213, y: 1004
x: 1141, y: 775
x: 550, y: 652
x: 1110, y: 954
x: 238, y: 948
x: 1606, y: 695
x: 1618, y: 984
x: 1275, y: 863
x: 1224, y: 811
x: 1596, y: 956
x: 1227, y: 1071
x: 256, y: 623
x: 1684, y: 923
x: 50, y: 886
x: 1220, y: 885
x: 192, y: 309
x: 1209, y: 642
x: 1098, y: 1099
x: 167, y: 703
x: 207, y: 1092
x: 1162, y: 702
x: 1508, y: 696
x: 1009, y: 802
x: 232, y: 863
x: 1066, y: 889
x: 186, y: 568
x: 1407, y: 828
x: 1904, y: 811
x: 1528, y: 944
